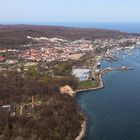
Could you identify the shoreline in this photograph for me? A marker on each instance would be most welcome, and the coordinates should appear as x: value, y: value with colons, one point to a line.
x: 83, y: 125
x: 101, y: 85
x: 101, y: 82
x: 82, y: 132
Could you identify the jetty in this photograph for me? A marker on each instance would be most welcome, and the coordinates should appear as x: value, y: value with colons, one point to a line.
x: 109, y: 69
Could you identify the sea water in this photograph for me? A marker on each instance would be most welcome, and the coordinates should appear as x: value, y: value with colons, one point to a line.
x: 113, y: 113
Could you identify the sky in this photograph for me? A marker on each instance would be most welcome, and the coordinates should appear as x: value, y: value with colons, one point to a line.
x: 45, y: 11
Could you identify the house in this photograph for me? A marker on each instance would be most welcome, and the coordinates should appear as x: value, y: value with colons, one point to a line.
x: 2, y: 59
x: 11, y: 61
x: 9, y: 108
x: 97, y: 71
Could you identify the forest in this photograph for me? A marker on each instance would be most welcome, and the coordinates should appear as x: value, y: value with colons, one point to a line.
x: 58, y: 118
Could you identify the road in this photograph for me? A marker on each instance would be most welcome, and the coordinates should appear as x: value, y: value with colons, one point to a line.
x: 94, y: 67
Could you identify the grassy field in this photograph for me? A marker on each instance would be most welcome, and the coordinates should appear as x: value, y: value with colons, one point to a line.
x: 86, y: 84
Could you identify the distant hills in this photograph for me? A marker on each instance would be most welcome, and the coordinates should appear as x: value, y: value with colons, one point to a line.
x: 17, y: 34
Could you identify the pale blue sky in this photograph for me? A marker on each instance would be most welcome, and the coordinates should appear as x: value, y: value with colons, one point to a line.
x: 69, y: 11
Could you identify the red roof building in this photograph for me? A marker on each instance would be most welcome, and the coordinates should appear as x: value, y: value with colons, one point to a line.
x: 2, y: 59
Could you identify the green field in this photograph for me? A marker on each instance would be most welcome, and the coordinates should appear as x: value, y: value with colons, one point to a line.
x: 86, y: 84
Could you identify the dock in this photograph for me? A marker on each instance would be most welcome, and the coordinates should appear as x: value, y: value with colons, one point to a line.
x: 123, y: 68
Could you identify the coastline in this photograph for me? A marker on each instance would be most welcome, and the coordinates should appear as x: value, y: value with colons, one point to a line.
x: 82, y: 132
x: 83, y: 125
x: 101, y: 82
x: 101, y: 85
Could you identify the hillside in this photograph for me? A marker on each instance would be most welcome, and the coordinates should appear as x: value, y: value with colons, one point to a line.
x: 57, y: 117
x: 17, y: 34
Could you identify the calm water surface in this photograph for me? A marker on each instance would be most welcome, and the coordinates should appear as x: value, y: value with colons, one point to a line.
x: 113, y: 113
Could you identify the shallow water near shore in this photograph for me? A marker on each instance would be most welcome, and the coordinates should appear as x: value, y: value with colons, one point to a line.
x: 113, y: 112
